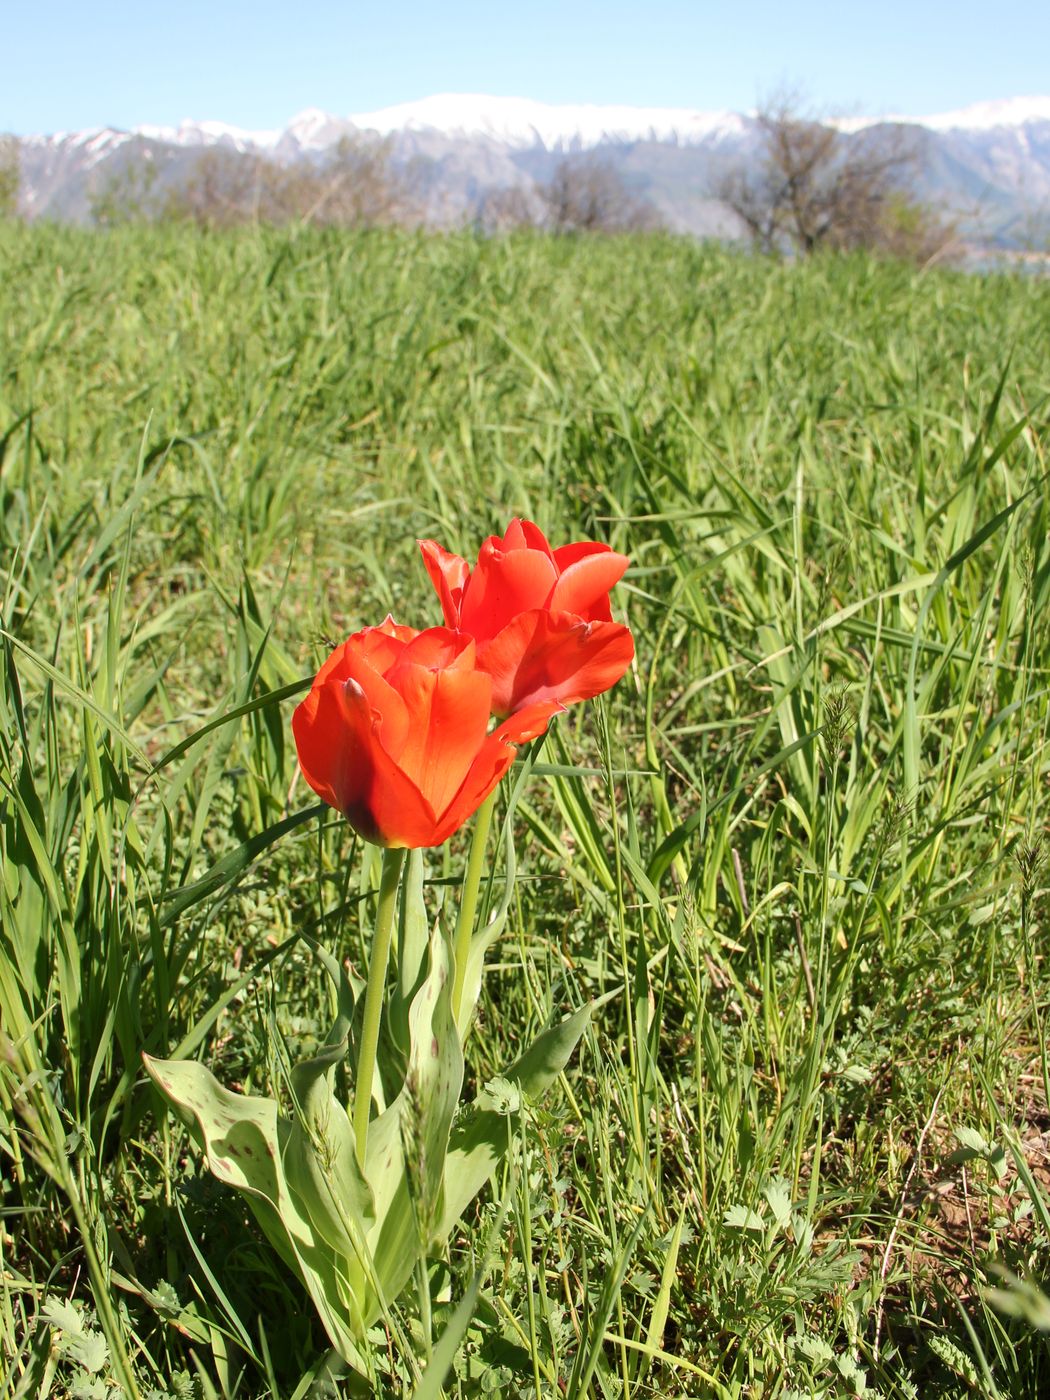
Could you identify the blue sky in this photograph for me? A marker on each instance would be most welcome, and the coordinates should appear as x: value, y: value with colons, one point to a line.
x: 71, y: 65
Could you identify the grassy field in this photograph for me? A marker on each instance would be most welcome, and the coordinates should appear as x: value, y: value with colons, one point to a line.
x: 803, y: 841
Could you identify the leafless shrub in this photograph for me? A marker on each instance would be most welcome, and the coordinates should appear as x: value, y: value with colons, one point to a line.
x: 584, y: 195
x: 503, y: 210
x: 356, y: 185
x: 821, y: 188
x: 359, y: 185
x: 587, y: 195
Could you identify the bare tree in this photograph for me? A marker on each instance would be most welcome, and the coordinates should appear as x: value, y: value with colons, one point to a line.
x: 820, y: 187
x: 503, y: 210
x: 357, y: 185
x: 223, y: 189
x: 587, y: 195
x: 10, y: 175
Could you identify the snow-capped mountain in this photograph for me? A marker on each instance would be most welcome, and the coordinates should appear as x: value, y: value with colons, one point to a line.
x: 989, y: 162
x: 521, y: 123
x: 988, y: 116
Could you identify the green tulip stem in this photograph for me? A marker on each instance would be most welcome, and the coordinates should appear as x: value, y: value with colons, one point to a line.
x: 366, y: 1061
x: 468, y: 903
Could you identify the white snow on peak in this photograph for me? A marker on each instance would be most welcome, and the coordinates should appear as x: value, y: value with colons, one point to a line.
x: 314, y: 129
x: 191, y: 133
x: 519, y: 121
x: 90, y: 146
x: 92, y: 137
x: 981, y: 116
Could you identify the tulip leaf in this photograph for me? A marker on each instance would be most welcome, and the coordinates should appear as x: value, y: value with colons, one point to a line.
x: 478, y: 1143
x: 237, y: 1132
x: 348, y: 989
x: 412, y: 948
x: 320, y: 1159
x: 245, y: 1141
x: 549, y: 1053
x: 408, y: 1143
x: 433, y: 1084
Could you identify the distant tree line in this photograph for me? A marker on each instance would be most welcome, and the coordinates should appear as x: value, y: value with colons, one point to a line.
x: 814, y: 188
x: 359, y: 185
x: 356, y: 184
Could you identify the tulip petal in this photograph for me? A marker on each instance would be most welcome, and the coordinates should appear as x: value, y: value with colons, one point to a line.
x: 584, y: 585
x: 315, y: 727
x: 495, y: 756
x: 380, y: 646
x: 335, y: 741
x: 450, y: 716
x: 489, y: 766
x: 567, y: 554
x: 334, y: 663
x: 449, y: 574
x: 389, y: 628
x: 528, y: 723
x: 513, y: 538
x: 342, y: 758
x: 542, y: 656
x: 359, y: 665
x: 438, y: 648
x: 505, y: 583
x: 364, y: 658
x: 534, y: 537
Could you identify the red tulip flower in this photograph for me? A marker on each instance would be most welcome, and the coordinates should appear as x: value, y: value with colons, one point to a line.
x: 395, y: 733
x: 540, y: 617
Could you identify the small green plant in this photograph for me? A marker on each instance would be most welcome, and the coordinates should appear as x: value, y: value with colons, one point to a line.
x: 78, y: 1349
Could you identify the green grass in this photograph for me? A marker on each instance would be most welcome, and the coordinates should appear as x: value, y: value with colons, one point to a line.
x: 802, y: 841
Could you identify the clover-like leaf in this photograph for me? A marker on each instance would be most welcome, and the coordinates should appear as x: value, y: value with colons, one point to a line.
x: 741, y: 1217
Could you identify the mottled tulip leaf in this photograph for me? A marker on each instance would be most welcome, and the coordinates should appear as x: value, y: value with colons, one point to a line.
x: 245, y: 1143
x: 432, y: 1085
x: 320, y: 1164
x: 319, y: 1155
x: 414, y: 1131
x: 238, y: 1134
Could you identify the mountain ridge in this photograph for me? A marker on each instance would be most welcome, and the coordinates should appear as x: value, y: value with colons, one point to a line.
x: 526, y: 120
x: 988, y: 164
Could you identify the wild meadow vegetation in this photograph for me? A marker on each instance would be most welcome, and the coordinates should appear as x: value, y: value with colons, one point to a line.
x: 803, y: 1148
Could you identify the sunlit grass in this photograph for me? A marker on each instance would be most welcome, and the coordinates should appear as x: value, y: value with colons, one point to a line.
x: 802, y: 842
